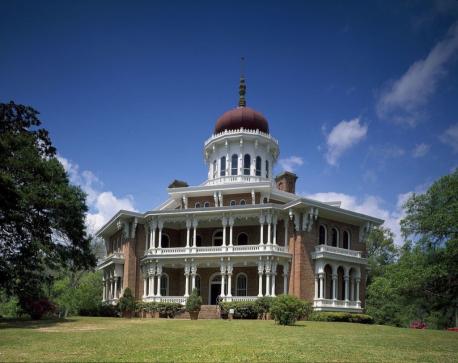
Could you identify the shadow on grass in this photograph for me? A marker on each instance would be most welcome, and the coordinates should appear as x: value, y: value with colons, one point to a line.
x: 27, y: 323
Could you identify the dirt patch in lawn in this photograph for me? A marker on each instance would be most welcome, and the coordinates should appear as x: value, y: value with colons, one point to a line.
x: 66, y: 329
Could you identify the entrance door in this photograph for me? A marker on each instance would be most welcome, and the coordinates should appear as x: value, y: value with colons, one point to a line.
x: 215, y: 291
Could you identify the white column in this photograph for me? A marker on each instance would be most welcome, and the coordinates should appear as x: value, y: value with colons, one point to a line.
x: 357, y: 289
x: 193, y: 276
x: 274, y: 274
x: 269, y: 229
x: 334, y: 286
x: 104, y: 294
x: 346, y: 278
x: 153, y: 231
x: 286, y: 222
x: 285, y: 278
x: 186, y: 284
x: 159, y: 243
x: 188, y: 232
x: 116, y: 287
x: 145, y: 293
x: 231, y: 224
x: 316, y: 287
x: 223, y: 278
x: 322, y: 295
x: 261, y: 233
x: 275, y: 230
x: 158, y: 281
x: 260, y: 272
x: 268, y: 271
x: 194, y: 236
x: 229, y: 279
x: 224, y: 220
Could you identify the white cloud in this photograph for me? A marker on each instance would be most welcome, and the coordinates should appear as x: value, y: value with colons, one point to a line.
x: 290, y: 163
x: 342, y: 137
x: 402, y: 100
x: 102, y: 204
x: 450, y: 137
x: 420, y: 150
x: 369, y: 205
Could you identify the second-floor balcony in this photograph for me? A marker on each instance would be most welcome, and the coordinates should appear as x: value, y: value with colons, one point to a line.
x: 337, y: 253
x: 217, y: 250
x: 115, y: 257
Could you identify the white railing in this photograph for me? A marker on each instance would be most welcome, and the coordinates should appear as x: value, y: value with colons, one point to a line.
x: 167, y: 299
x: 217, y: 249
x: 240, y: 298
x: 241, y: 130
x: 338, y: 250
x: 330, y: 303
x: 236, y: 179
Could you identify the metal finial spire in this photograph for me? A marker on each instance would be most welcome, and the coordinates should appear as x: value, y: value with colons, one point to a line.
x: 242, y: 86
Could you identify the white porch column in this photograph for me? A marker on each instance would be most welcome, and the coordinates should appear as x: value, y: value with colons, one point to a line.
x: 269, y: 228
x: 230, y: 268
x: 352, y: 289
x: 116, y: 287
x: 194, y: 235
x: 145, y: 285
x: 274, y: 274
x: 357, y: 289
x: 260, y: 272
x: 286, y: 223
x: 158, y: 276
x: 224, y: 222
x: 193, y: 275
x: 160, y: 226
x: 231, y: 225
x: 285, y: 278
x: 274, y: 237
x: 188, y: 232
x: 151, y: 283
x: 104, y: 293
x: 334, y: 287
x: 187, y: 269
x: 223, y: 278
x: 153, y: 232
x: 261, y: 233
x: 268, y: 272
x: 346, y: 278
x: 316, y: 287
x: 321, y: 275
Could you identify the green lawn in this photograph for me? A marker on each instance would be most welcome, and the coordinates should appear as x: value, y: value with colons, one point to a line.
x: 111, y: 339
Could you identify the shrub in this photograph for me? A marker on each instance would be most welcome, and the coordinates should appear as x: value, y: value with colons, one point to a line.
x: 37, y: 308
x: 287, y: 309
x: 342, y: 317
x: 194, y: 301
x: 264, y: 303
x: 169, y: 310
x: 102, y: 309
x: 242, y: 309
x: 127, y: 302
x: 417, y: 324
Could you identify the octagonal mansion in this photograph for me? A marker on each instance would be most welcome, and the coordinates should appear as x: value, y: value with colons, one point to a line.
x: 241, y: 234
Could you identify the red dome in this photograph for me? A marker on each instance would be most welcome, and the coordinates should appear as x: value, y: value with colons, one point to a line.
x: 242, y: 117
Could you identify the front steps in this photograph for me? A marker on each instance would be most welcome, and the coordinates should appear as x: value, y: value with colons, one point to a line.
x: 206, y: 312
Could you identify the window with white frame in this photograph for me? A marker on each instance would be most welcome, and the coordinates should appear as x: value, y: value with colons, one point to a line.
x: 217, y: 239
x: 234, y: 164
x: 197, y: 205
x: 242, y: 202
x: 346, y: 240
x: 335, y: 237
x: 322, y: 235
x: 206, y: 204
x: 258, y: 165
x: 222, y: 170
x: 246, y: 164
x: 233, y: 202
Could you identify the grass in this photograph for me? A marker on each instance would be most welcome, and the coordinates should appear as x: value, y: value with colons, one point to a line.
x: 112, y: 339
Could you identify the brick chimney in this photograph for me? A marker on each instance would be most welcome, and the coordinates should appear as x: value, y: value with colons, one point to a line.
x: 286, y: 182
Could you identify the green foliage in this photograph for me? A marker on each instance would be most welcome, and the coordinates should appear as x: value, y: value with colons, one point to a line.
x: 264, y: 303
x: 9, y: 306
x: 242, y: 309
x: 169, y: 310
x: 102, y: 309
x: 423, y: 283
x: 127, y: 303
x: 43, y: 216
x: 194, y: 301
x: 287, y: 309
x: 381, y: 251
x: 342, y: 317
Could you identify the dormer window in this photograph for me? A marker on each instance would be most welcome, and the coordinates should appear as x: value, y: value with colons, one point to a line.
x: 246, y: 164
x: 258, y: 165
x: 234, y: 164
x: 222, y: 171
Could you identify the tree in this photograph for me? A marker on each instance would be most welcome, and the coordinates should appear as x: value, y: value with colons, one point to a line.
x: 381, y: 251
x: 41, y: 214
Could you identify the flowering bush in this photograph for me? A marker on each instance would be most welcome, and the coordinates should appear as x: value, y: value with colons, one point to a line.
x: 36, y: 308
x: 418, y: 324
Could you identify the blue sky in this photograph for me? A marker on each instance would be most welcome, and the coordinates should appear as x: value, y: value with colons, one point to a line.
x: 362, y: 96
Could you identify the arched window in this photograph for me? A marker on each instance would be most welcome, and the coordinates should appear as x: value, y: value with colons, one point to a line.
x: 217, y: 239
x: 267, y: 169
x: 241, y: 284
x: 258, y: 165
x: 234, y: 164
x: 164, y: 285
x: 222, y: 170
x: 215, y: 171
x: 335, y: 237
x: 346, y: 240
x: 242, y: 239
x: 242, y: 202
x: 198, y: 240
x: 197, y: 205
x: 233, y: 202
x: 165, y: 241
x: 246, y: 164
x: 206, y: 204
x: 322, y: 236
